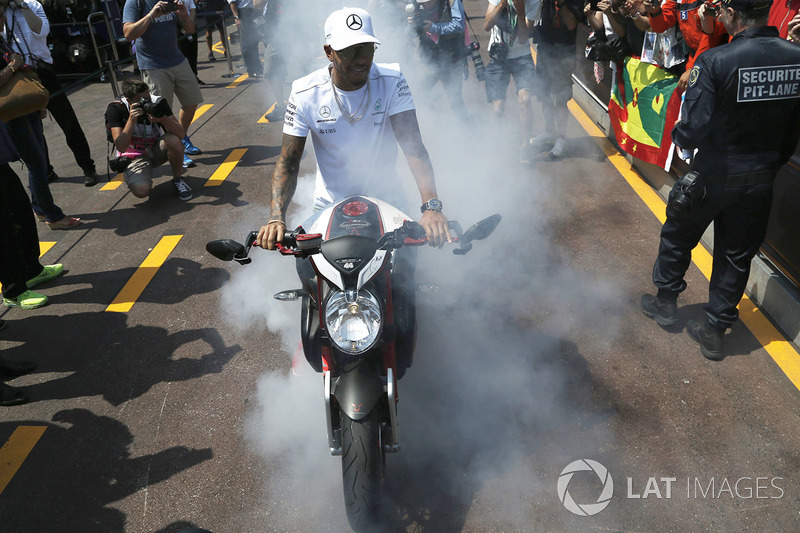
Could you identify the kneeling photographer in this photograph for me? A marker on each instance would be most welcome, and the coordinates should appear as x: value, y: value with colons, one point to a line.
x: 145, y: 134
x: 440, y: 26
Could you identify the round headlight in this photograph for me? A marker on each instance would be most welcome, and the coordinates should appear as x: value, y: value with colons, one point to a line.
x: 354, y: 327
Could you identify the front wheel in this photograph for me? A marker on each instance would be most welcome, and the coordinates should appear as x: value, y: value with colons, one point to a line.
x: 362, y: 470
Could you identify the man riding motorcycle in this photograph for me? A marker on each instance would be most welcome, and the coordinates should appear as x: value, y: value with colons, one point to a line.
x: 356, y: 113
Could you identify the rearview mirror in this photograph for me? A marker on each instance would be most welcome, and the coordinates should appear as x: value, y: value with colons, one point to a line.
x: 481, y: 230
x: 225, y: 249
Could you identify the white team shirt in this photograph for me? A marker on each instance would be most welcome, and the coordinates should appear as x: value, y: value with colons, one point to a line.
x: 359, y: 158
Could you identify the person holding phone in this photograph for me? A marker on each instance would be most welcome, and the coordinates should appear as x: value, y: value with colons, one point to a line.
x: 783, y: 15
x: 700, y: 31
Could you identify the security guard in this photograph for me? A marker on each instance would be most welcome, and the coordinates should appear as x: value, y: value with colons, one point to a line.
x: 742, y: 114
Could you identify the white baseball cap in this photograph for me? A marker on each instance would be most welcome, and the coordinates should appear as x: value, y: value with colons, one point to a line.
x: 349, y: 26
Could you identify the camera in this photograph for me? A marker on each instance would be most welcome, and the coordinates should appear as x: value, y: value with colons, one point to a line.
x: 473, y: 50
x: 171, y: 6
x: 417, y: 16
x: 155, y: 109
x: 119, y: 164
x: 686, y: 195
x: 498, y: 51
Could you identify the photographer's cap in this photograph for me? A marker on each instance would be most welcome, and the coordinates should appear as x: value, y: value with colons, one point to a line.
x: 349, y: 26
x: 748, y: 6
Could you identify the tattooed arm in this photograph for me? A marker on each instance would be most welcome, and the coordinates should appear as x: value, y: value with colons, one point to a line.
x: 284, y: 182
x: 406, y: 131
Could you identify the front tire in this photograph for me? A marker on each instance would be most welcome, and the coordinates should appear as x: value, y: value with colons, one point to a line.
x: 362, y: 470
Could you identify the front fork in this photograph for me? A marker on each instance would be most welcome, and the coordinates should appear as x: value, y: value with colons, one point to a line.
x: 333, y: 412
x: 360, y: 388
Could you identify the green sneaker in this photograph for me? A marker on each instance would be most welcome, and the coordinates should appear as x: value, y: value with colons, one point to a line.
x: 49, y: 272
x: 26, y: 300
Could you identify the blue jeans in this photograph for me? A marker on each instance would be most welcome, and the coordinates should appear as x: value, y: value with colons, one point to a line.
x: 28, y: 138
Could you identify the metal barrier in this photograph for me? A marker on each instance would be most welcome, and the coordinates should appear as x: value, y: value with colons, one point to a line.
x: 112, y: 71
x: 111, y: 67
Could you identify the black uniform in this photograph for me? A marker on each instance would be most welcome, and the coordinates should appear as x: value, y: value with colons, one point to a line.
x: 742, y: 112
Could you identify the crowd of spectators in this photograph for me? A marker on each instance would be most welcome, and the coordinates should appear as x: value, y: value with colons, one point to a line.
x: 144, y: 139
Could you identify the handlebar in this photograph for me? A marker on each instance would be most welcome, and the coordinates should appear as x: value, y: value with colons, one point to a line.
x: 411, y: 233
x: 298, y: 243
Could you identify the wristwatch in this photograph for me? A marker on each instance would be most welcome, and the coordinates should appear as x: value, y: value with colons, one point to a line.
x: 434, y: 204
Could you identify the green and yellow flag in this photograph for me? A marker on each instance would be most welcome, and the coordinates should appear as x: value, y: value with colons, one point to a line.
x: 643, y: 108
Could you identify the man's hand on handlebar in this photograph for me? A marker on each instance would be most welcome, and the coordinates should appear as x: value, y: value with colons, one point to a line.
x: 435, y: 225
x: 270, y: 234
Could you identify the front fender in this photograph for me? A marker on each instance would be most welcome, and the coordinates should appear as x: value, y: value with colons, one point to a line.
x: 359, y: 389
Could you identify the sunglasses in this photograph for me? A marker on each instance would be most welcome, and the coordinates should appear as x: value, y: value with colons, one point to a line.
x: 365, y: 50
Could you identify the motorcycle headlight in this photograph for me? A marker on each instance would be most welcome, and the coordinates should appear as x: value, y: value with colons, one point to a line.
x: 354, y: 326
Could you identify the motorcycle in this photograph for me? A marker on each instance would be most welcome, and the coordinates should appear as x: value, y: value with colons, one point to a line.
x: 358, y: 327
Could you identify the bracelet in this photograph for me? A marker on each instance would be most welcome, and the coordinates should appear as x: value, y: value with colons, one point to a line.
x: 152, y: 20
x: 277, y: 220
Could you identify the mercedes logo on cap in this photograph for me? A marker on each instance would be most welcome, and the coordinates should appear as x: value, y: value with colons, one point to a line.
x: 354, y: 22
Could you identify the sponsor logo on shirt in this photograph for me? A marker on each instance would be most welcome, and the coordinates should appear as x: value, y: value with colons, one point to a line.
x: 165, y: 18
x: 758, y: 84
x: 325, y: 113
x: 402, y: 88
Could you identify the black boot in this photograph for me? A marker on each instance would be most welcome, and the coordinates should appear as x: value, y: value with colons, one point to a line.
x: 90, y: 178
x: 664, y: 312
x: 11, y: 396
x: 709, y: 338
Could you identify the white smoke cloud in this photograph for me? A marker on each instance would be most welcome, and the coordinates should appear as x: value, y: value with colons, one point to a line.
x: 493, y: 369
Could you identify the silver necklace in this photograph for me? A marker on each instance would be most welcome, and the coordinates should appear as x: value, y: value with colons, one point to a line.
x: 354, y: 117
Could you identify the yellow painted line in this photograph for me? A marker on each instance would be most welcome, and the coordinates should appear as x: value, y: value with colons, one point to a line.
x: 133, y: 289
x: 217, y: 47
x: 16, y: 450
x: 114, y: 184
x: 776, y: 345
x: 264, y: 119
x: 235, y: 83
x: 200, y: 110
x: 44, y: 247
x: 227, y: 166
